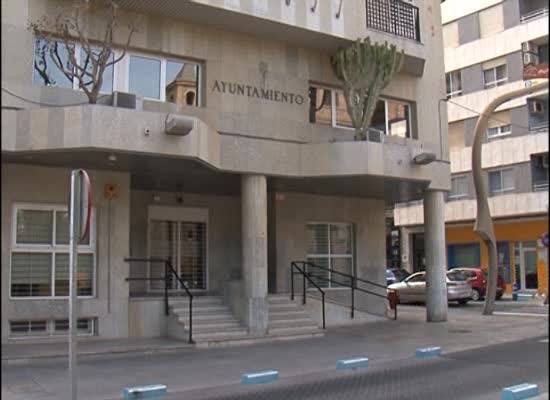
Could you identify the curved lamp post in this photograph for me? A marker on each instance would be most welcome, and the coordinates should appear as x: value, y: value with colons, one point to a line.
x: 484, y: 223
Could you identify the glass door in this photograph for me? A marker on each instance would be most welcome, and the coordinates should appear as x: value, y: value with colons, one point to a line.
x: 525, y: 255
x: 184, y: 244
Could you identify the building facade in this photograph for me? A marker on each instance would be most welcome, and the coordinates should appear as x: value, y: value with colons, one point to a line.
x: 265, y: 170
x: 492, y: 47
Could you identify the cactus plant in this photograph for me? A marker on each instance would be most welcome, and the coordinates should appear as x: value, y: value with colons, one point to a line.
x: 365, y: 70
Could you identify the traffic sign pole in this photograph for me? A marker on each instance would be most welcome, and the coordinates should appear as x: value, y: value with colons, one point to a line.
x: 79, y: 221
x: 74, y: 235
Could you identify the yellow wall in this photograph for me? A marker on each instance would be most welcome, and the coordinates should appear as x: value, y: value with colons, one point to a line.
x: 510, y: 231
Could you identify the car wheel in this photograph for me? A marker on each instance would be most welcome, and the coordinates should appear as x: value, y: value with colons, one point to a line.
x: 476, y: 295
x: 463, y: 302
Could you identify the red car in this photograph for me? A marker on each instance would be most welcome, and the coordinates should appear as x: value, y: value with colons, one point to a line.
x: 478, y: 280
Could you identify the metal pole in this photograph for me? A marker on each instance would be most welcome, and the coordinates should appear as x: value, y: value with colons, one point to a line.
x: 292, y: 282
x: 304, y: 286
x: 74, y: 234
x: 352, y: 297
x: 166, y: 308
x: 190, y: 319
x: 324, y: 324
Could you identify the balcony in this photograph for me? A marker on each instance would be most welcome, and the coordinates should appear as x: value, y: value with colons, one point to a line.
x: 540, y: 186
x: 395, y: 17
x: 528, y: 15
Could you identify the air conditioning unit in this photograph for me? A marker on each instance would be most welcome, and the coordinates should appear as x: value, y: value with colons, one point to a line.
x: 123, y: 100
x: 529, y: 47
x: 529, y: 58
x: 536, y: 107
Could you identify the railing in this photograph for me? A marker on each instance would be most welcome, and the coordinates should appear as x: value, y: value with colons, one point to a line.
x: 302, y: 268
x: 534, y: 14
x: 540, y: 186
x: 169, y: 271
x: 394, y: 16
x: 535, y: 127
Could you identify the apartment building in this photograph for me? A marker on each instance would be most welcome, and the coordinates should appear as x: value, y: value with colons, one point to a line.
x: 220, y: 143
x: 492, y: 47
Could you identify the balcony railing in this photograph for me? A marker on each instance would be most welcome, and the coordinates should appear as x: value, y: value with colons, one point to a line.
x: 541, y: 12
x: 540, y: 186
x: 394, y: 16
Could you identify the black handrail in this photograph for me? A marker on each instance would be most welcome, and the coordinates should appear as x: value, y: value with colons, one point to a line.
x: 305, y: 276
x: 352, y: 286
x: 168, y: 269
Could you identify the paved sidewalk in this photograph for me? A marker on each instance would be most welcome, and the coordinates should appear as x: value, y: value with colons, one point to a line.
x: 105, y: 377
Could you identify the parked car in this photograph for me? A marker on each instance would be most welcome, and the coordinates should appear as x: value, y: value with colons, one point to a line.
x: 394, y: 275
x: 413, y: 288
x: 478, y: 280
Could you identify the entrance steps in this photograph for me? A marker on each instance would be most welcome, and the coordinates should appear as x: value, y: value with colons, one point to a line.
x: 213, y: 320
x: 214, y: 324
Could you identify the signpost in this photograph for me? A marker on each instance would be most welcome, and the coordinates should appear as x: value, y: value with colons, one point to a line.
x: 79, y: 224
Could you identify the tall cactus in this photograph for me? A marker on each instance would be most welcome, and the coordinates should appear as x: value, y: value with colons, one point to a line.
x: 365, y: 69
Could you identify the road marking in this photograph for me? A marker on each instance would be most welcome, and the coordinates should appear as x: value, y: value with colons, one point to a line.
x: 520, y: 314
x: 544, y: 340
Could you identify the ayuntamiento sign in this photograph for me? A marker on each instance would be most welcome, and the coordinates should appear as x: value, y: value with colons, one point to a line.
x: 241, y: 89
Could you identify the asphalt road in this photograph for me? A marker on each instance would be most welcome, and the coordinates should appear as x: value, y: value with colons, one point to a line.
x: 474, y: 375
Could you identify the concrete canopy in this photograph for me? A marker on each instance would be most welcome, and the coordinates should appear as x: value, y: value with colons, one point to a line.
x: 181, y: 174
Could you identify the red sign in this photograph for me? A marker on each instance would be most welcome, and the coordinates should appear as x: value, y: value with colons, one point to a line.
x: 85, y: 204
x: 538, y: 71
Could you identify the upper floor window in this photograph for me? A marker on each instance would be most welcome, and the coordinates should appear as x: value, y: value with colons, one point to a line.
x: 459, y: 188
x: 454, y: 83
x: 495, y: 76
x: 40, y: 253
x: 499, y: 132
x: 328, y: 107
x: 148, y: 76
x: 501, y: 181
x: 47, y: 55
x: 400, y: 18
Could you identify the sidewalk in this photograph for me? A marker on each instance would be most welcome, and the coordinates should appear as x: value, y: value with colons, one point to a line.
x: 104, y: 377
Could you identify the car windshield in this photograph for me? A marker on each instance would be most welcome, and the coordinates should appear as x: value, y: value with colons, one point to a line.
x: 400, y: 274
x: 457, y: 276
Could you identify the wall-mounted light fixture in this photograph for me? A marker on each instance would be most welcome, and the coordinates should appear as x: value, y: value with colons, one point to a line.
x: 287, y: 2
x: 314, y: 6
x: 423, y: 158
x: 339, y: 10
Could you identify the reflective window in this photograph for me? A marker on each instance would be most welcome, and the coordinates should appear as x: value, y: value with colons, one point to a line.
x: 46, y: 57
x: 144, y: 79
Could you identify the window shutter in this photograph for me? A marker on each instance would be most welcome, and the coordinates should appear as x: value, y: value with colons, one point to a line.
x: 31, y: 274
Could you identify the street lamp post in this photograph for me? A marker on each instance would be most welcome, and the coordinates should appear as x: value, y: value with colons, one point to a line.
x: 484, y: 223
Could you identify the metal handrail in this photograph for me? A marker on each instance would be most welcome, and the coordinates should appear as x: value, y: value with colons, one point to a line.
x: 534, y: 14
x: 168, y: 269
x: 352, y: 285
x: 293, y: 266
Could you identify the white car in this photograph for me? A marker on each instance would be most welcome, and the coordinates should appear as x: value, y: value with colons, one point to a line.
x: 413, y: 288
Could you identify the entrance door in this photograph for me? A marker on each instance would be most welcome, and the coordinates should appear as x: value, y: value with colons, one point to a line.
x: 174, y: 235
x: 526, y: 265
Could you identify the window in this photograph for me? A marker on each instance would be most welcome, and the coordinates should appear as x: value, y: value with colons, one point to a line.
x: 499, y: 132
x: 454, y: 83
x: 45, y: 71
x: 148, y: 76
x: 328, y: 107
x: 330, y: 246
x: 40, y: 254
x: 501, y: 181
x: 459, y: 188
x: 33, y: 328
x: 420, y: 277
x: 491, y: 21
x: 495, y: 76
x: 450, y: 34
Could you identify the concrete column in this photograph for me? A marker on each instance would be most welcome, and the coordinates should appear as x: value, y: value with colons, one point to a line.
x: 436, y: 268
x: 405, y: 245
x: 254, y: 248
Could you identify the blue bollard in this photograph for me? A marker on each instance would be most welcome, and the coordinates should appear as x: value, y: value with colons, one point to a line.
x: 515, y: 288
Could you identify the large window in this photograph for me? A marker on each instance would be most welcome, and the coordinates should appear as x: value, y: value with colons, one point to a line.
x: 495, y: 76
x: 330, y: 245
x: 40, y: 254
x: 454, y: 83
x: 45, y: 71
x: 501, y: 181
x: 148, y: 76
x: 459, y: 188
x: 328, y: 107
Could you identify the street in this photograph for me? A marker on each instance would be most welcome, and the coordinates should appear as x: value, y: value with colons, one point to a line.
x: 473, y: 374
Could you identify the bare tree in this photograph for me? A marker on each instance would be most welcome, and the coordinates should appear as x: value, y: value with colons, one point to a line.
x: 70, y: 26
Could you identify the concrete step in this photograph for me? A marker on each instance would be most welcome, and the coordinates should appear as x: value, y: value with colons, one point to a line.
x: 294, y: 330
x: 279, y: 299
x: 218, y: 336
x: 196, y: 301
x: 203, y: 309
x: 292, y: 323
x: 283, y: 307
x: 216, y: 328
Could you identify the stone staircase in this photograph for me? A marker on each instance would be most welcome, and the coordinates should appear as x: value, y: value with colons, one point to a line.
x: 215, y: 325
x: 213, y: 320
x: 289, y: 319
